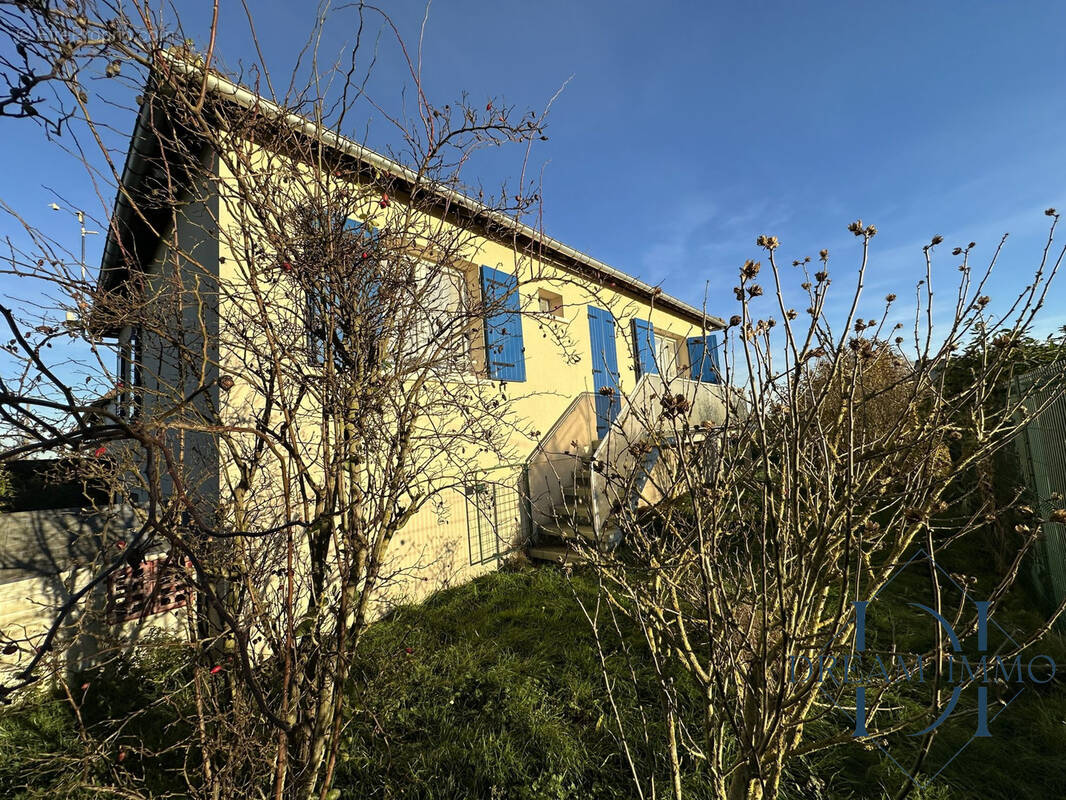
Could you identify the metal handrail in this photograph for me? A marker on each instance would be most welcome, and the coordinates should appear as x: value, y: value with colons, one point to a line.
x: 541, y: 453
x: 555, y: 425
x: 606, y: 458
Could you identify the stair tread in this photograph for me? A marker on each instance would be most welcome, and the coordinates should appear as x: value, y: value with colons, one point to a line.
x: 557, y: 553
x: 566, y: 531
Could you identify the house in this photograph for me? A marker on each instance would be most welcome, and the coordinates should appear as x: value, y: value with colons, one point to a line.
x: 57, y: 533
x: 626, y: 342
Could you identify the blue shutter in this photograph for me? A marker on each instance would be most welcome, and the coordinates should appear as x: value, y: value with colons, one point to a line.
x: 505, y: 356
x: 315, y: 330
x: 372, y: 310
x: 370, y: 237
x: 604, y: 368
x: 644, y: 345
x: 703, y: 358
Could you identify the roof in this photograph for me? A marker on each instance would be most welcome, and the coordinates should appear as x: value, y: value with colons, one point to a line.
x: 138, y: 229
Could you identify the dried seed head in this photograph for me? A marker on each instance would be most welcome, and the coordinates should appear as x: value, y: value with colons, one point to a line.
x: 734, y: 320
x: 823, y: 255
x: 750, y: 269
x: 1051, y: 212
x: 936, y: 240
x: 891, y: 298
x: 856, y: 227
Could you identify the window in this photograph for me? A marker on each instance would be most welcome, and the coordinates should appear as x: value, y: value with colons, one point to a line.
x: 151, y: 587
x: 549, y: 303
x: 668, y: 354
x: 130, y: 358
x: 440, y: 322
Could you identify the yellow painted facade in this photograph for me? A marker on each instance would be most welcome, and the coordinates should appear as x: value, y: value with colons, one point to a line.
x: 446, y: 543
x: 469, y: 529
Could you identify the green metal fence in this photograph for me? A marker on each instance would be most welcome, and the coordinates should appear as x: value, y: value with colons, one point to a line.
x: 1041, y: 448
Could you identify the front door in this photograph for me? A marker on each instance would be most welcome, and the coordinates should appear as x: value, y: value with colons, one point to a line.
x: 604, y: 368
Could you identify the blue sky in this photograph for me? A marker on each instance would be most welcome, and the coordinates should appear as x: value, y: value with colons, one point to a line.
x: 687, y: 130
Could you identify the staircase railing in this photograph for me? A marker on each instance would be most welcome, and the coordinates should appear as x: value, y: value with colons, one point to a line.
x: 620, y: 470
x: 554, y: 464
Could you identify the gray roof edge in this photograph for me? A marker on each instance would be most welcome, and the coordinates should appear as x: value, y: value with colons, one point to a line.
x: 249, y: 99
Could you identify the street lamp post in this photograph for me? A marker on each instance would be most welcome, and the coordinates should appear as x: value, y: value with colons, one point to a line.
x: 81, y: 223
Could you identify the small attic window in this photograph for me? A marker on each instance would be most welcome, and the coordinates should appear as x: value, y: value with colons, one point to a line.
x: 549, y: 303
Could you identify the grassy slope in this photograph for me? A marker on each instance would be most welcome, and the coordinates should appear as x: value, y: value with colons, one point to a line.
x: 489, y: 690
x: 500, y: 696
x: 493, y: 690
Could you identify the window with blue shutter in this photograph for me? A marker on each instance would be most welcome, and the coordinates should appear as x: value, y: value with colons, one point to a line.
x: 505, y: 358
x: 644, y: 347
x: 703, y: 358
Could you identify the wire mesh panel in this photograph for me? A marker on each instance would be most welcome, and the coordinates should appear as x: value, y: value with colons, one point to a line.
x: 1041, y: 448
x: 493, y: 517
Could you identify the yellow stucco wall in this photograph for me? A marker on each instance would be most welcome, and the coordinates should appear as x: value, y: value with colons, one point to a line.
x: 447, y: 542
x: 441, y: 546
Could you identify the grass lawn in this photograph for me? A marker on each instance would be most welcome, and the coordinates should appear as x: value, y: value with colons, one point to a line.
x: 489, y: 690
x: 493, y: 690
